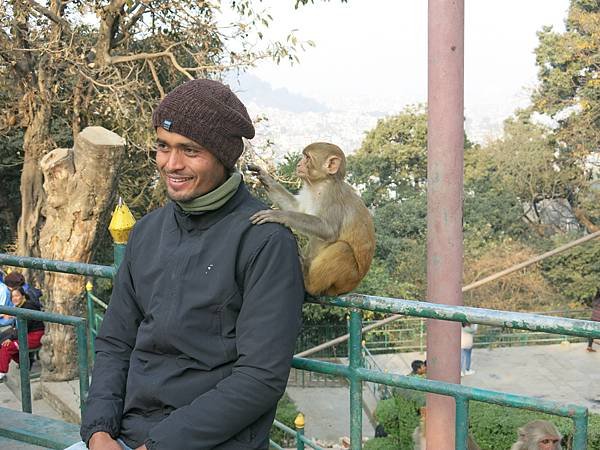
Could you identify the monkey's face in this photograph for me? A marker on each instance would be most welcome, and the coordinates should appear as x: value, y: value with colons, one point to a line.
x: 188, y: 169
x: 309, y: 167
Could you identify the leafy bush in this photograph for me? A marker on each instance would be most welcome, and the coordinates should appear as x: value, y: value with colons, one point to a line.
x: 493, y: 427
x: 399, y: 416
x: 286, y: 414
x: 384, y: 443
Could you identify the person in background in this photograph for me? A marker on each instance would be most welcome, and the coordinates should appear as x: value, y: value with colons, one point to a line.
x: 466, y: 347
x: 595, y: 317
x: 538, y: 435
x: 9, y: 346
x: 16, y: 280
x: 418, y: 368
x: 5, y: 319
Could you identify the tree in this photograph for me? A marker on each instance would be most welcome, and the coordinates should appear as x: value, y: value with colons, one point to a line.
x: 70, y: 64
x: 392, y: 160
x: 569, y: 92
x: 66, y: 65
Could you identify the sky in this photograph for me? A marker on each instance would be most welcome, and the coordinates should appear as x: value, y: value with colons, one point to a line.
x: 371, y: 55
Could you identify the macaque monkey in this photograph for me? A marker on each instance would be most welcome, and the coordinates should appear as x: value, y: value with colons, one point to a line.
x: 340, y: 231
x: 538, y: 435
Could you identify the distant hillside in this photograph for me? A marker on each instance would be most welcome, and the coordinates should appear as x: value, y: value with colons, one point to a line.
x: 254, y: 90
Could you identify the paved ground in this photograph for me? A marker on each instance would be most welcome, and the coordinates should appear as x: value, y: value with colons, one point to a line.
x: 565, y: 373
x: 327, y: 412
x: 562, y: 372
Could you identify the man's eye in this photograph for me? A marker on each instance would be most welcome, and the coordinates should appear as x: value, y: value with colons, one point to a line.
x: 161, y: 147
x: 191, y: 151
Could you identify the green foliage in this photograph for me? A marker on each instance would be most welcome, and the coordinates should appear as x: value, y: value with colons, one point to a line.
x: 576, y: 273
x: 399, y: 416
x: 286, y: 414
x: 493, y: 427
x: 383, y: 443
x: 391, y: 161
x: 569, y: 91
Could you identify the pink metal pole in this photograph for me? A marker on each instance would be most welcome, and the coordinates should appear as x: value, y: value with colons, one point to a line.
x: 445, y: 146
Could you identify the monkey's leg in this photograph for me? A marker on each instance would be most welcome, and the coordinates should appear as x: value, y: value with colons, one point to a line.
x: 333, y: 271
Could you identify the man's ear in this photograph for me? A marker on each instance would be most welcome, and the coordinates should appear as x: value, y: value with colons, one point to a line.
x: 332, y: 164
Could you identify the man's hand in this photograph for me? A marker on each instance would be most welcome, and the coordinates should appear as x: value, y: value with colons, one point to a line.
x: 102, y: 441
x: 6, y: 343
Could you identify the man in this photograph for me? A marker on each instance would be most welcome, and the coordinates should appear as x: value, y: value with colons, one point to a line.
x: 196, y: 345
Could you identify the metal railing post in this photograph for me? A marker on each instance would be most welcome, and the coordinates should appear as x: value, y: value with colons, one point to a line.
x: 462, y: 422
x: 82, y: 359
x: 24, y: 364
x: 299, y: 424
x: 355, y: 357
x: 91, y: 319
x: 580, y: 435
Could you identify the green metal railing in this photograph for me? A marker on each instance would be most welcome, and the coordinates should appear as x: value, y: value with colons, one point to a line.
x: 355, y: 372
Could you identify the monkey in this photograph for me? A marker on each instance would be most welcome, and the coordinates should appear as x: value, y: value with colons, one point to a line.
x: 339, y: 227
x: 538, y: 435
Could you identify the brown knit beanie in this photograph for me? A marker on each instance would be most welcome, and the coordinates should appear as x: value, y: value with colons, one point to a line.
x: 208, y: 113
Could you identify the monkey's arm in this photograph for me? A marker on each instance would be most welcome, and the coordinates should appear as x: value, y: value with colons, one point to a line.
x: 277, y: 193
x: 306, y: 224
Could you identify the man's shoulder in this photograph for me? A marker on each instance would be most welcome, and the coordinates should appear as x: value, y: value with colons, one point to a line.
x: 248, y: 208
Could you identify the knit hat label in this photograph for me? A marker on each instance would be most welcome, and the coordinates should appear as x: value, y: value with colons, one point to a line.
x: 167, y: 124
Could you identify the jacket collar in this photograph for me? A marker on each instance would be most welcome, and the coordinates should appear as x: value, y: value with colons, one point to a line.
x: 202, y: 220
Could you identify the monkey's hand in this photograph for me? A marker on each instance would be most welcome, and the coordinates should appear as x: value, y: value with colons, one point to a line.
x: 262, y: 175
x: 269, y: 215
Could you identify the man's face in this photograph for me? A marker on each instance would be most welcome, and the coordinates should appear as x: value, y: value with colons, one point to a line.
x: 187, y: 168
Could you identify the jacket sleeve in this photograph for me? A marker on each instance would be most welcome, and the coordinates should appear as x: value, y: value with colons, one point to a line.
x: 114, y: 344
x: 266, y: 330
x: 5, y: 301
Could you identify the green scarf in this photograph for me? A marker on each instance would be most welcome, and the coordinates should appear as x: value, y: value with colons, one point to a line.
x: 214, y: 199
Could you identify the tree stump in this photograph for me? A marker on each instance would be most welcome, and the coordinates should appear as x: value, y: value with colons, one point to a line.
x: 80, y: 185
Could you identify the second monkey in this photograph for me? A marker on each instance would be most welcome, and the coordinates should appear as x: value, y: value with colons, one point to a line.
x: 339, y: 227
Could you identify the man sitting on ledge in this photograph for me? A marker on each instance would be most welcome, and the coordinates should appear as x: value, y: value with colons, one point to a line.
x: 196, y: 345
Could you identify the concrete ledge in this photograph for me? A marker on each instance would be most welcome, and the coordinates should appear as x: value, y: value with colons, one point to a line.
x: 63, y: 397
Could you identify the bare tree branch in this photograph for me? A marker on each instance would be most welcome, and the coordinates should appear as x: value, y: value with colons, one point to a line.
x: 130, y: 23
x: 51, y: 15
x: 165, y: 54
x: 155, y: 78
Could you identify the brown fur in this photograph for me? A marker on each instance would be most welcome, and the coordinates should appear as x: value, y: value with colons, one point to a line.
x: 327, y: 210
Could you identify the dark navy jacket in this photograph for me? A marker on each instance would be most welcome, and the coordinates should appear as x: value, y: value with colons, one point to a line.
x: 196, y: 345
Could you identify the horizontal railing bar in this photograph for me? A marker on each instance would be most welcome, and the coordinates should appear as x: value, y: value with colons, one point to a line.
x: 275, y: 445
x: 321, y: 367
x: 522, y: 321
x: 52, y: 265
x: 449, y: 389
x: 41, y: 315
x: 97, y: 301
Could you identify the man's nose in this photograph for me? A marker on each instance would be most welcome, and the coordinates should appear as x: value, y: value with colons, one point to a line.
x: 175, y: 161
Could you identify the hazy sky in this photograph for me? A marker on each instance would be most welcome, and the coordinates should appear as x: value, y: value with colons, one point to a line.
x: 372, y: 54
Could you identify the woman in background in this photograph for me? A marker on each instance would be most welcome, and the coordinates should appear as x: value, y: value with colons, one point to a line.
x: 9, y: 345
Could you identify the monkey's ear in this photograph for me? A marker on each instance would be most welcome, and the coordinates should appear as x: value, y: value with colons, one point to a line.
x: 332, y: 165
